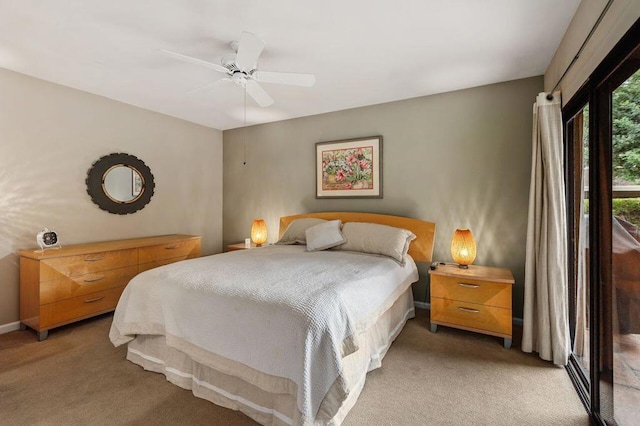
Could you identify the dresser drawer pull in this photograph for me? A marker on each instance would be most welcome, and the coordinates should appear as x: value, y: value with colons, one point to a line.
x: 172, y: 247
x: 95, y: 299
x: 93, y: 280
x: 94, y: 259
x: 471, y: 311
x: 468, y: 285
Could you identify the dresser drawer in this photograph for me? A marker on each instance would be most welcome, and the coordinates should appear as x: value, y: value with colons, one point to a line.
x: 70, y: 266
x: 181, y: 249
x: 77, y: 308
x: 471, y: 316
x: 146, y: 266
x: 472, y: 290
x: 79, y: 285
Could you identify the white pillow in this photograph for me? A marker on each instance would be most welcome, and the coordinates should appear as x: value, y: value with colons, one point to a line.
x: 377, y: 239
x: 324, y: 235
x: 295, y: 231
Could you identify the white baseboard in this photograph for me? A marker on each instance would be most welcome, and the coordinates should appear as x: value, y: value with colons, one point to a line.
x: 425, y: 305
x: 422, y: 305
x: 12, y: 326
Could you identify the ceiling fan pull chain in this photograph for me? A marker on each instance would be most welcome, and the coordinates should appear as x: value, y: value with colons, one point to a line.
x: 244, y: 163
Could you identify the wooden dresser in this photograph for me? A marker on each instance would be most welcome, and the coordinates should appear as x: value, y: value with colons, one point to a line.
x: 60, y: 286
x: 475, y: 299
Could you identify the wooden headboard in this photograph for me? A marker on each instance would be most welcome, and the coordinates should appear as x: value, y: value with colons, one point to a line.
x: 421, y: 249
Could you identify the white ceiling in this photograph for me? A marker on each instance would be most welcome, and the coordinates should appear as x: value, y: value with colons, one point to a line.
x: 362, y: 52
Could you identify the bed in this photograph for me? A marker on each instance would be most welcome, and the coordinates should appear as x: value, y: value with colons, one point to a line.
x: 282, y: 334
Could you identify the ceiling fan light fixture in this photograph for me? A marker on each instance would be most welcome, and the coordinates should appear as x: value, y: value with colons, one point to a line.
x: 239, y: 77
x: 241, y: 68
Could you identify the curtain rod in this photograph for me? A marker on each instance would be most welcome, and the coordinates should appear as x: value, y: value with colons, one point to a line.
x: 586, y: 40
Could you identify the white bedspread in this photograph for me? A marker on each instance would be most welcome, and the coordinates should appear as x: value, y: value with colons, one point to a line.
x: 280, y: 310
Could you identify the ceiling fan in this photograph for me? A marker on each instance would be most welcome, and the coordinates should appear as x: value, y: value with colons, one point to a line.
x: 241, y: 68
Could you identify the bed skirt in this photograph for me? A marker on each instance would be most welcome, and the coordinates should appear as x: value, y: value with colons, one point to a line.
x: 257, y: 399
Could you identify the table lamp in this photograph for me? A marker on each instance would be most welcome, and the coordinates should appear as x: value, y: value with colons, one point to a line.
x: 259, y: 232
x: 463, y: 248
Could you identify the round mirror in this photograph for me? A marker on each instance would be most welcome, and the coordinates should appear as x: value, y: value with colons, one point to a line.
x: 123, y: 184
x: 120, y: 183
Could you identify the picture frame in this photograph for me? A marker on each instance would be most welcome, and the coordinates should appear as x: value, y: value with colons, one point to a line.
x: 349, y: 168
x: 136, y: 183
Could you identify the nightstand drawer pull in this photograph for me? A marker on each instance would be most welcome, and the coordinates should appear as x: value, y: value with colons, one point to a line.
x: 93, y: 280
x: 471, y: 311
x: 172, y: 247
x: 94, y: 259
x: 95, y: 299
x: 468, y: 285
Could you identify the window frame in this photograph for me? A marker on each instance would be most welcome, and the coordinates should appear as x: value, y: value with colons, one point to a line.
x: 596, y: 393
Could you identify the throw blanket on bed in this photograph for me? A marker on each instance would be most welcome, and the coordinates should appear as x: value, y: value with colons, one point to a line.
x: 280, y: 310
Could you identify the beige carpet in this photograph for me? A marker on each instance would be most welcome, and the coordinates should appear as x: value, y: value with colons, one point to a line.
x: 448, y: 378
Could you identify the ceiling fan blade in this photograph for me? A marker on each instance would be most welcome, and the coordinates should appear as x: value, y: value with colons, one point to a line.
x: 249, y: 48
x: 196, y: 61
x: 290, y: 78
x: 258, y: 93
x: 208, y: 85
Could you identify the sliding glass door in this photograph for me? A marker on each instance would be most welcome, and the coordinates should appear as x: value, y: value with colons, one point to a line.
x: 625, y: 249
x: 602, y: 137
x: 577, y: 135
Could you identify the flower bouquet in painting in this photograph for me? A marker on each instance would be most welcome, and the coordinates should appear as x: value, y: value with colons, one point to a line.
x: 347, y: 169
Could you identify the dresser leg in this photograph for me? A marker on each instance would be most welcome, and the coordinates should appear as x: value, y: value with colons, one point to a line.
x: 42, y: 335
x: 434, y: 328
x: 23, y: 326
x: 507, y: 343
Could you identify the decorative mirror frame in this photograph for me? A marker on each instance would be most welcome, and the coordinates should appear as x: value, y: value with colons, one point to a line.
x: 95, y: 182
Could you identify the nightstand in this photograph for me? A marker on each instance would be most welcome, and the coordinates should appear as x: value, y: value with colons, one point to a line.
x: 239, y: 246
x: 475, y: 299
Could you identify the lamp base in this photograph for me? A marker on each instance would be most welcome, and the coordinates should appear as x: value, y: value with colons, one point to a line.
x: 463, y: 266
x: 258, y: 245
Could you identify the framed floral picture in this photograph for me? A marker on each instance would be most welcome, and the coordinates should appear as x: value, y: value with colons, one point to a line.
x: 350, y: 168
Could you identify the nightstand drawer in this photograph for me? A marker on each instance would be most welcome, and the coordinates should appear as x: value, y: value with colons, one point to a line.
x: 69, y: 287
x: 175, y: 249
x: 69, y: 266
x: 471, y: 316
x: 472, y: 290
x: 77, y: 308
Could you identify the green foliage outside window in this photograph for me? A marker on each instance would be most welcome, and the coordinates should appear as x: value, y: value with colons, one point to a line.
x: 626, y: 208
x: 625, y: 146
x: 626, y: 132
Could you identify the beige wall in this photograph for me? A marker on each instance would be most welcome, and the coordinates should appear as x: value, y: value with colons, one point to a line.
x: 49, y: 137
x: 619, y: 18
x: 460, y: 159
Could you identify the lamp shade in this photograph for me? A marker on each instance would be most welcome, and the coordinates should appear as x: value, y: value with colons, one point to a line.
x: 259, y: 232
x: 463, y: 247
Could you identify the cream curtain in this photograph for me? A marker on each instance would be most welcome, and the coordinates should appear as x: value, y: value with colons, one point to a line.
x: 546, y: 321
x: 581, y: 337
